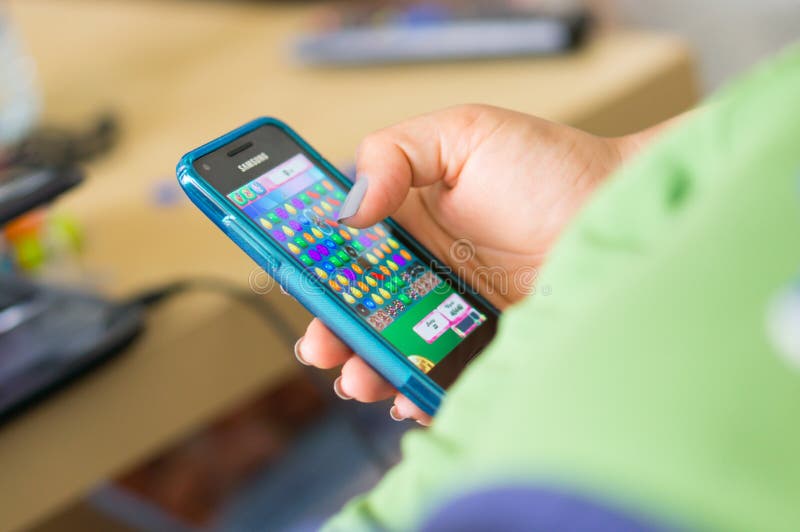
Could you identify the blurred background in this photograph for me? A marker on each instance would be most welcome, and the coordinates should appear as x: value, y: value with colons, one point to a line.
x: 147, y: 380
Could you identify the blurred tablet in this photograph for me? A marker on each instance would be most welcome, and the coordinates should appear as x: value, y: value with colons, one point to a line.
x: 391, y: 32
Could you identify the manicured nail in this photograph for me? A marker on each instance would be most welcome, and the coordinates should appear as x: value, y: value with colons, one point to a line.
x: 395, y: 414
x: 297, y: 354
x: 337, y: 389
x: 354, y: 198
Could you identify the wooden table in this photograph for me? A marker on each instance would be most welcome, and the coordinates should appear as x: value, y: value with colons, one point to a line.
x: 178, y: 73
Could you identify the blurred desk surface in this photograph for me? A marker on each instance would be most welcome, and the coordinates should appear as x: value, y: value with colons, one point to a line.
x: 179, y: 73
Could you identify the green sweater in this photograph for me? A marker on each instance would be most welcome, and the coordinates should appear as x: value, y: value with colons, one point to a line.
x: 643, y: 372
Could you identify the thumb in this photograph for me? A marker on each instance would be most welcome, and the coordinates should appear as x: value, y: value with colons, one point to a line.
x: 390, y: 162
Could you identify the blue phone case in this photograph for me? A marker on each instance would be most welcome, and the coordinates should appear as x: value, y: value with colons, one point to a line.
x: 345, y: 323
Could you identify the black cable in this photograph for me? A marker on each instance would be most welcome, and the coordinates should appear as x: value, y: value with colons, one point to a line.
x: 155, y: 296
x: 285, y: 331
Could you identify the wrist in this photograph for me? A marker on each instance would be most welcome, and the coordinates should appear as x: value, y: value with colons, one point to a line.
x: 628, y: 146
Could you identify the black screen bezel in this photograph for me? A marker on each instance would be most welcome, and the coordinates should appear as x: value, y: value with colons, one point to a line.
x: 220, y: 168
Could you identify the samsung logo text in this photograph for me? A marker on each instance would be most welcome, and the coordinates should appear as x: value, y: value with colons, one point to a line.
x: 252, y: 162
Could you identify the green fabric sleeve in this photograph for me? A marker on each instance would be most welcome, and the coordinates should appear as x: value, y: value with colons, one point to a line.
x: 641, y: 372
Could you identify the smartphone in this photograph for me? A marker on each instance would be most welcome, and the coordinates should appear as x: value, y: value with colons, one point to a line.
x: 378, y: 289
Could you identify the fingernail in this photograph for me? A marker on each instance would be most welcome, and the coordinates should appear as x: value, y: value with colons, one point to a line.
x: 354, y: 198
x: 297, y: 354
x: 337, y: 389
x: 395, y: 414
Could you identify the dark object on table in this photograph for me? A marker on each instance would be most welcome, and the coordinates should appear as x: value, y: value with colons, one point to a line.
x: 50, y: 336
x: 23, y: 188
x: 56, y: 147
x: 381, y: 32
x: 45, y: 164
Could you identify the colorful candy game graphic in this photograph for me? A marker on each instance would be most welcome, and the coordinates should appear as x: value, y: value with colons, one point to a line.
x: 369, y: 269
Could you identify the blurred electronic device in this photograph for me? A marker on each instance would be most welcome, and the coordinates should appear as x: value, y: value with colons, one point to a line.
x: 387, y: 32
x: 50, y: 335
x: 24, y: 187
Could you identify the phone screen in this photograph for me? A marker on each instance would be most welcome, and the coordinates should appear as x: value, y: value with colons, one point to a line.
x: 376, y: 272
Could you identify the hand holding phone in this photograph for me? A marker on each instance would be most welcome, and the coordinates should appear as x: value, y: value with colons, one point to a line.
x: 496, y: 189
x: 487, y: 190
